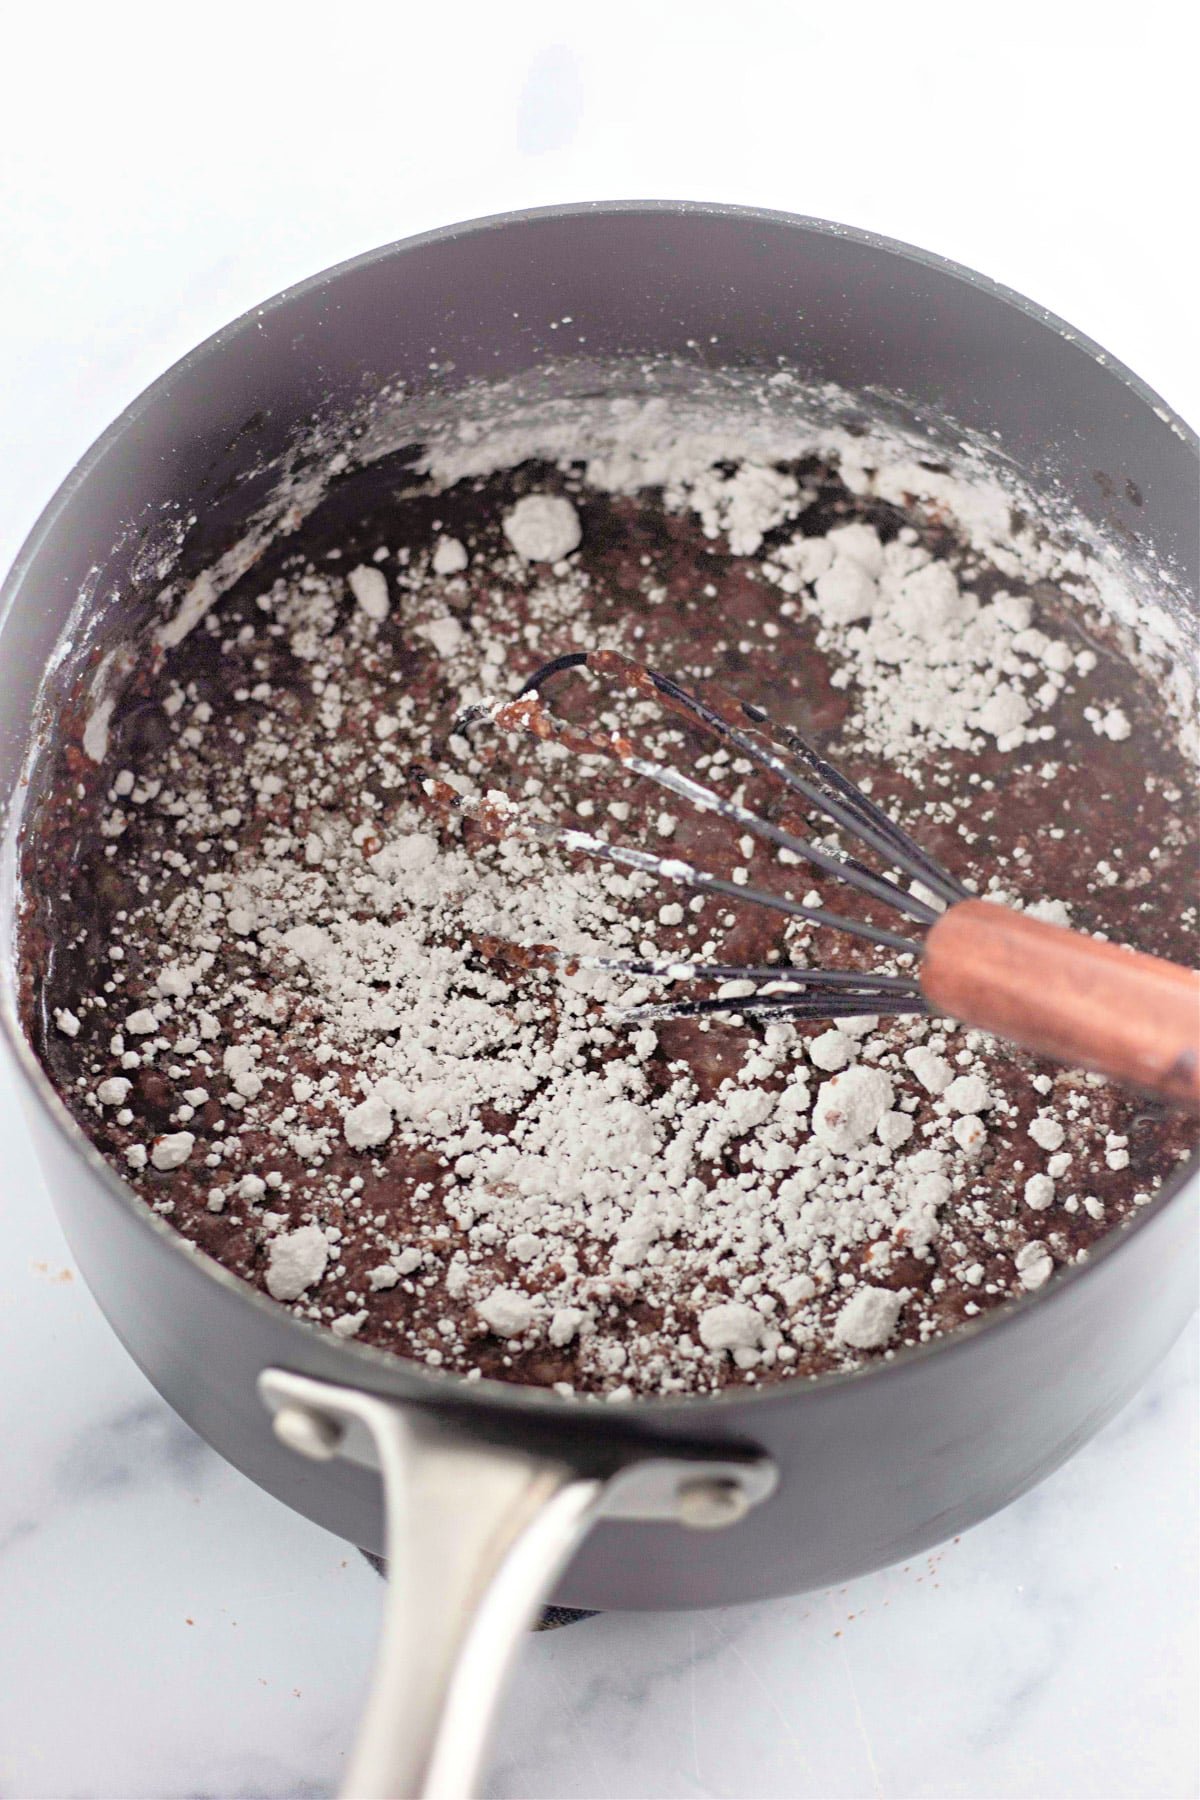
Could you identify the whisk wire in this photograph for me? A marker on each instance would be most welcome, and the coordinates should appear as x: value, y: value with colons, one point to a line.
x: 774, y: 749
x: 686, y: 874
x: 855, y: 1006
x: 948, y: 886
x: 837, y: 798
x: 779, y: 974
x: 706, y: 799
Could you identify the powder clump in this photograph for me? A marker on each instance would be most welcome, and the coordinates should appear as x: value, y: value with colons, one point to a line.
x: 543, y: 528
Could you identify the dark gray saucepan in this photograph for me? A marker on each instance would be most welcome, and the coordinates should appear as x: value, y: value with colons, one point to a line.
x: 499, y: 1495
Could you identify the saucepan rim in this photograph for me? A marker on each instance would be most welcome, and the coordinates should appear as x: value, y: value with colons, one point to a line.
x: 365, y: 1365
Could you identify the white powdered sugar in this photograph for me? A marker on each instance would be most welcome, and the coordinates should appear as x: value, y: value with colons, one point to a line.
x: 445, y: 634
x: 296, y: 1261
x: 1047, y: 1131
x: 1039, y: 1192
x: 1034, y: 1264
x: 969, y: 1133
x: 832, y: 1050
x: 543, y: 528
x: 731, y: 1326
x: 967, y: 1094
x: 933, y: 1072
x: 363, y: 982
x: 369, y: 1123
x: 850, y: 1106
x: 449, y: 557
x: 931, y: 662
x: 370, y: 589
x: 173, y: 1150
x: 506, y: 1312
x: 742, y: 505
x: 934, y: 665
x: 867, y: 1321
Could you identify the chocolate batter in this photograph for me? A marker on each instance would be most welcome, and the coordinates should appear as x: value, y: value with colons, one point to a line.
x: 204, y: 909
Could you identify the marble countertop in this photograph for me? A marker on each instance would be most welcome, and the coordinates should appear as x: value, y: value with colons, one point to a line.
x: 166, y: 1629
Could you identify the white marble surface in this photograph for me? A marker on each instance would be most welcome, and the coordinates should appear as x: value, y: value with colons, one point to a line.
x: 165, y: 1628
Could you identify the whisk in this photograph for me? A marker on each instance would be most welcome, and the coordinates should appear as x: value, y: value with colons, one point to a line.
x: 1059, y: 993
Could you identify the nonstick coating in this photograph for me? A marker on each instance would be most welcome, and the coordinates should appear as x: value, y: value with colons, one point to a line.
x: 875, y: 1466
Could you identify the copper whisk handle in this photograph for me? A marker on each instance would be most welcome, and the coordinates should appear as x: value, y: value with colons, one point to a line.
x: 1060, y: 994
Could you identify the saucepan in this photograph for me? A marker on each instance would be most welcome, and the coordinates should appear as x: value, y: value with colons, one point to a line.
x: 489, y: 1499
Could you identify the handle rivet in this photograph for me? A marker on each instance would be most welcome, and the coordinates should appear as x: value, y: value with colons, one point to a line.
x: 308, y: 1432
x: 709, y: 1503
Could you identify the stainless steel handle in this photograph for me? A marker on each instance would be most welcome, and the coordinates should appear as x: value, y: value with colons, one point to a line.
x: 477, y: 1532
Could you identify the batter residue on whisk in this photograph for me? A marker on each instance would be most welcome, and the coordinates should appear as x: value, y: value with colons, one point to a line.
x: 307, y: 1011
